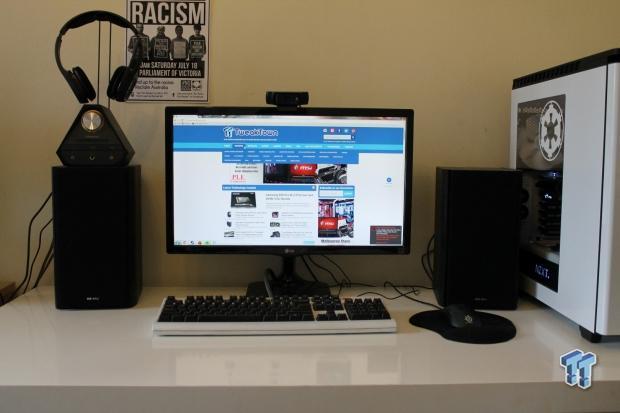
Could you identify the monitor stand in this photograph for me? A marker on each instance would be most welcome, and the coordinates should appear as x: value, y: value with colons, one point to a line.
x: 287, y: 283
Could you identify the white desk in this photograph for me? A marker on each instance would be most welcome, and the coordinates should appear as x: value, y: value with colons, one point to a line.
x: 109, y: 361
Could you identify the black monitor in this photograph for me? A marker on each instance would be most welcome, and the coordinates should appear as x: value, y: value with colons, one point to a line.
x: 247, y: 180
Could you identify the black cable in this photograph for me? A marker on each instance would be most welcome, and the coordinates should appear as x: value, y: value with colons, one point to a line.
x: 422, y: 302
x: 430, y: 251
x: 379, y: 294
x: 351, y: 284
x: 382, y: 295
x: 344, y: 274
x: 49, y: 257
x: 386, y: 283
x: 43, y: 271
x: 275, y: 277
x: 339, y: 290
x: 426, y: 261
x: 28, y: 247
x: 412, y: 286
x: 267, y: 281
x: 415, y: 286
x: 324, y: 269
x: 406, y: 295
x: 303, y: 259
x: 344, y: 284
x: 49, y: 262
x: 426, y: 270
x: 414, y: 290
x: 390, y: 284
x: 36, y: 254
x: 46, y: 263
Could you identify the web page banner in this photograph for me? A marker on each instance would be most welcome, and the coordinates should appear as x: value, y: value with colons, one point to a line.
x: 287, y: 144
x: 269, y: 181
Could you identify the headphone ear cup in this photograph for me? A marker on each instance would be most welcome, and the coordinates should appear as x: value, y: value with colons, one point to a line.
x: 130, y: 77
x: 76, y: 87
x: 115, y: 82
x: 122, y: 83
x: 86, y: 90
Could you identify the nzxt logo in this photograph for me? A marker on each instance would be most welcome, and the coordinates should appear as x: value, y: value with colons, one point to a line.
x: 228, y: 131
x: 551, y: 130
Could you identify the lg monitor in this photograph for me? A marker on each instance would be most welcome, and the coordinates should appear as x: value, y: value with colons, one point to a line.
x: 246, y: 180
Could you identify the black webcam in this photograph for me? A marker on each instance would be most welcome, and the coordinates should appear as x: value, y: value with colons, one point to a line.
x: 287, y: 99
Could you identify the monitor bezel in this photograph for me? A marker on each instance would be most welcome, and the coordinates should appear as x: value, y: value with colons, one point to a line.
x: 287, y: 250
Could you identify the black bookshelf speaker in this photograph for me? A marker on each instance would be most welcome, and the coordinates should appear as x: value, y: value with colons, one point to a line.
x: 477, y: 226
x: 97, y: 237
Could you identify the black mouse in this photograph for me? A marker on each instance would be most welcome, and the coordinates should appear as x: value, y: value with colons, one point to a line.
x: 462, y: 315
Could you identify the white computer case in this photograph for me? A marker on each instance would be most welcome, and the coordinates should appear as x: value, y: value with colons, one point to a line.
x: 583, y: 119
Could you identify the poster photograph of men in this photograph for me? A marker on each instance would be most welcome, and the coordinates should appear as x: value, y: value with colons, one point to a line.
x: 174, y: 39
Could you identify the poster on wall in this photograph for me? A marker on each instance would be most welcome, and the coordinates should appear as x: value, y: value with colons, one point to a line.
x: 175, y: 48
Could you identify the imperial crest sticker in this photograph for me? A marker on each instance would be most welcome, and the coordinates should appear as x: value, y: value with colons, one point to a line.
x: 540, y: 133
x: 551, y: 130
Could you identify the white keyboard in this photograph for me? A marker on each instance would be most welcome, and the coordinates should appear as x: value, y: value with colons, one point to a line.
x: 226, y: 316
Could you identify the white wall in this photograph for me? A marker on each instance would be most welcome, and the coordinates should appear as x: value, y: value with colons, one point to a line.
x: 452, y: 61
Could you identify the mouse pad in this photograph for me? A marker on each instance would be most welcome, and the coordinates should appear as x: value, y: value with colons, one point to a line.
x: 494, y: 328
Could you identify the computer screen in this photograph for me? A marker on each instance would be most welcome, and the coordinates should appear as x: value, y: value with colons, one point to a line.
x: 263, y: 180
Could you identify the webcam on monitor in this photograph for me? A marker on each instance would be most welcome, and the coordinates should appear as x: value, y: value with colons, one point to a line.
x: 287, y: 99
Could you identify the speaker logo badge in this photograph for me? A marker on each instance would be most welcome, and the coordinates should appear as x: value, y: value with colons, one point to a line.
x: 551, y: 131
x: 541, y: 133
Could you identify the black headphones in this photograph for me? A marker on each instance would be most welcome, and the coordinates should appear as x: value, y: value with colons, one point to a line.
x: 124, y: 78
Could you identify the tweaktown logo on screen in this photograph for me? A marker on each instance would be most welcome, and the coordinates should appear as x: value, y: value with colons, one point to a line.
x: 230, y: 132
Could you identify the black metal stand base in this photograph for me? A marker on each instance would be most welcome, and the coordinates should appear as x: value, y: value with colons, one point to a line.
x: 590, y: 336
x: 287, y: 283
